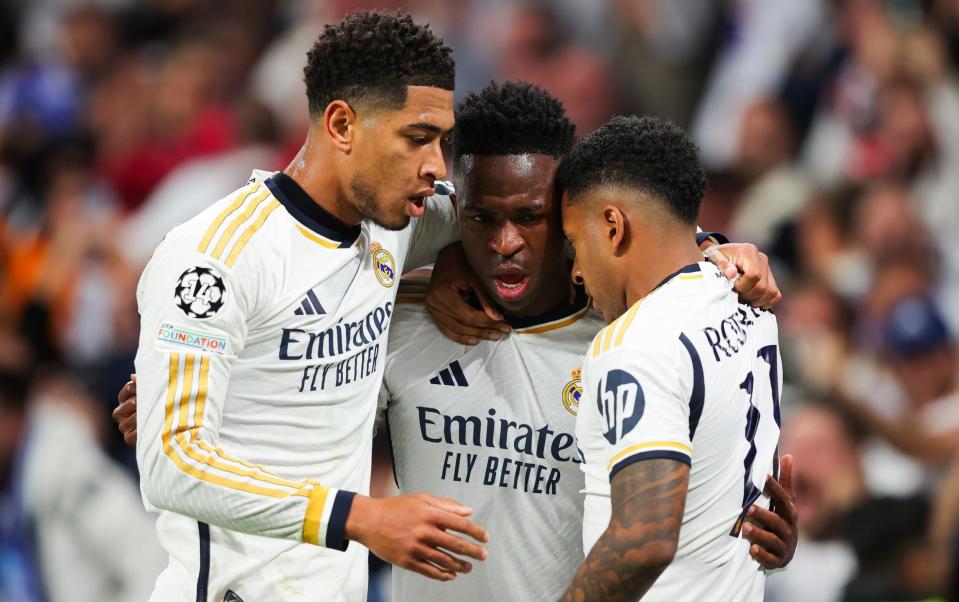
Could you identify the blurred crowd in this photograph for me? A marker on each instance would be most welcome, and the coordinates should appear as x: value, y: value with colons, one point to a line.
x: 830, y: 130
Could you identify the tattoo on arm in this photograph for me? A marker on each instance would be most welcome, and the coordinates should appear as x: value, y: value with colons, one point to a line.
x: 648, y: 498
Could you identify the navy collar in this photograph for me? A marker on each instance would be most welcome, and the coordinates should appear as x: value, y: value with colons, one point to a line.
x: 308, y: 212
x: 689, y: 269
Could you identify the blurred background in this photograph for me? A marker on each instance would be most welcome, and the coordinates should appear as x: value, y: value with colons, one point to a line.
x: 830, y: 130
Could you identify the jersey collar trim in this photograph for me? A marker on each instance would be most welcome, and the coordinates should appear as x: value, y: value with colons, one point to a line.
x: 306, y: 211
x: 692, y: 268
x: 553, y: 319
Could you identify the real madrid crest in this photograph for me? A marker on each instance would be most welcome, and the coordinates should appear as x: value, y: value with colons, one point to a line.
x: 384, y: 268
x: 199, y: 292
x: 573, y: 391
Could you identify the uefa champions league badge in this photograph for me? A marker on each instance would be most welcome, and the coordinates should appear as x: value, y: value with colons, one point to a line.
x: 573, y: 391
x: 384, y: 268
x: 199, y: 292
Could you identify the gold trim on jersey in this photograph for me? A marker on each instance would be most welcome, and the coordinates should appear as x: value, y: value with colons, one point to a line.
x: 231, y: 229
x: 240, y: 199
x: 650, y: 445
x: 249, y: 232
x: 181, y: 438
x: 325, y: 242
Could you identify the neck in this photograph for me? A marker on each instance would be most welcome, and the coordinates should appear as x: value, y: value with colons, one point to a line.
x: 312, y: 168
x: 656, y: 257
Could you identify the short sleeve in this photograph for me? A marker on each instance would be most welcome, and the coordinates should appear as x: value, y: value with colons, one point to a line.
x: 643, y: 402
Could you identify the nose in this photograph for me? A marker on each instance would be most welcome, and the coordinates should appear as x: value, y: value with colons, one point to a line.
x: 434, y: 166
x: 506, y: 240
x: 576, y: 275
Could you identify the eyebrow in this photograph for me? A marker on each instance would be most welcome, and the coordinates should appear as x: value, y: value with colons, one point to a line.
x: 429, y: 127
x: 531, y: 208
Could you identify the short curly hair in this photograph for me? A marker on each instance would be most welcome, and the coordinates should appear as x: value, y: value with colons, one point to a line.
x: 652, y: 155
x: 371, y: 57
x: 515, y: 118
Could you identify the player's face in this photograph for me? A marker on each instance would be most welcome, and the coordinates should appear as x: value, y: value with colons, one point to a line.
x: 593, y: 265
x: 510, y: 229
x: 398, y: 157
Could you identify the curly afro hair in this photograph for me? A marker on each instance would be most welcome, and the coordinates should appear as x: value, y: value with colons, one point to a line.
x: 371, y: 57
x: 645, y: 153
x: 511, y: 119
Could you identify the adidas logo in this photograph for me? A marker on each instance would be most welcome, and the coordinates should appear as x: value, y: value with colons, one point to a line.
x: 310, y: 306
x: 451, y: 376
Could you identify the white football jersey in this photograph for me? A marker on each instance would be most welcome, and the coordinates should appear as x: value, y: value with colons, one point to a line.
x: 492, y: 426
x: 263, y: 336
x: 691, y: 374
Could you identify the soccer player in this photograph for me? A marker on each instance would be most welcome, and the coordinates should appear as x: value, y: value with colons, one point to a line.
x: 493, y: 424
x: 679, y: 423
x: 262, y: 344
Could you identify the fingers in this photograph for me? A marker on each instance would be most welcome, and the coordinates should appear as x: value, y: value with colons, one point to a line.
x: 457, y: 545
x: 130, y: 437
x: 129, y: 390
x: 768, y: 560
x: 124, y: 410
x: 786, y: 474
x: 774, y: 547
x: 486, y: 302
x: 428, y: 570
x: 716, y: 255
x: 783, y: 501
x: 460, y: 332
x: 769, y: 521
x: 775, y: 295
x: 445, y: 503
x: 451, y: 522
x: 444, y: 560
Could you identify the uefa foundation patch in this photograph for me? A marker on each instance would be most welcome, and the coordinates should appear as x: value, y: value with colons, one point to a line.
x: 177, y: 335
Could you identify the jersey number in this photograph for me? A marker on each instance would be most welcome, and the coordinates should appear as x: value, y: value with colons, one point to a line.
x: 752, y: 484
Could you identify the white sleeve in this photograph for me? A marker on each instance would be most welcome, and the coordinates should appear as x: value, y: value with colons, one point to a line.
x: 643, y: 398
x: 435, y: 230
x: 194, y: 313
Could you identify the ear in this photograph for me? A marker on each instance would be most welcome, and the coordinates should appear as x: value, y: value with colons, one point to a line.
x: 616, y: 224
x: 339, y: 124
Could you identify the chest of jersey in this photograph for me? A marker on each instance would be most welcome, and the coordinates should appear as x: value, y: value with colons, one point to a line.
x: 497, y: 416
x: 324, y: 333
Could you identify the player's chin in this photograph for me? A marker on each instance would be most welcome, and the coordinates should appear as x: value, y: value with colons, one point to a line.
x: 392, y: 222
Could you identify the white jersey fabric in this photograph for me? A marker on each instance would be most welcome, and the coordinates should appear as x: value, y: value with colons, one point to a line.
x: 492, y: 426
x: 263, y: 338
x: 687, y: 373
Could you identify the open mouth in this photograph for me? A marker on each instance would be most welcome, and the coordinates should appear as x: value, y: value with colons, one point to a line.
x: 511, y: 285
x: 417, y: 205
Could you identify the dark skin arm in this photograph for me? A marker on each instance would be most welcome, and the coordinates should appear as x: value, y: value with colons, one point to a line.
x: 648, y: 498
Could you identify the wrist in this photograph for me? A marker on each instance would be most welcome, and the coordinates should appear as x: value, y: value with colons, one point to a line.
x: 357, y: 521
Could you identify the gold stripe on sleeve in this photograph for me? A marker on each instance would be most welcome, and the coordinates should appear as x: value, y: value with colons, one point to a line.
x: 314, y: 515
x: 249, y: 232
x: 651, y: 445
x: 240, y: 198
x: 237, y: 221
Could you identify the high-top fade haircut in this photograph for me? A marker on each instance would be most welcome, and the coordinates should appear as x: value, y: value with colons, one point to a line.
x: 513, y: 119
x: 370, y: 57
x: 648, y: 154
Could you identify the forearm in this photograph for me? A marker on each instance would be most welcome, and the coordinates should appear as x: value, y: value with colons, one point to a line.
x: 641, y: 540
x: 614, y: 571
x: 184, y: 470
